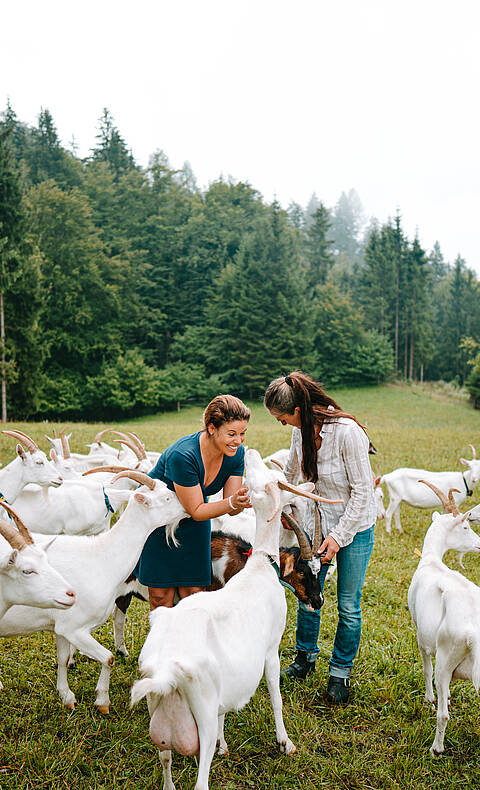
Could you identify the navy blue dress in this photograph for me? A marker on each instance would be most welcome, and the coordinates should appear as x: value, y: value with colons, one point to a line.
x: 189, y: 564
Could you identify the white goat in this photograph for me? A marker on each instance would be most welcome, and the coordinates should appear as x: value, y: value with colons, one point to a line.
x: 96, y: 567
x: 377, y: 488
x: 80, y: 506
x: 402, y: 485
x: 207, y: 655
x: 32, y: 466
x: 26, y: 576
x: 445, y: 608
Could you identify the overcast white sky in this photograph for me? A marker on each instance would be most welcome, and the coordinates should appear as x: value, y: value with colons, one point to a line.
x: 294, y: 97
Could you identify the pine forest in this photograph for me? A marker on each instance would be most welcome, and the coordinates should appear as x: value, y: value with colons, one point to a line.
x: 127, y: 290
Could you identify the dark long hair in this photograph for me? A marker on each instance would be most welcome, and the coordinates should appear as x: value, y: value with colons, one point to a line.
x: 283, y: 395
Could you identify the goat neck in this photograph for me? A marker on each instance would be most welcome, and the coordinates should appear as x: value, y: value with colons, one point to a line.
x: 435, y: 541
x: 267, y: 535
x: 13, y: 479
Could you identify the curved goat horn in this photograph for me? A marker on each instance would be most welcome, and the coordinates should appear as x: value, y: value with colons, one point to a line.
x: 65, y: 444
x: 317, y: 535
x: 114, y: 469
x: 272, y: 489
x: 100, y: 434
x: 451, y: 499
x: 473, y: 451
x: 12, y: 535
x: 137, y: 440
x: 31, y: 446
x: 448, y: 502
x: 22, y: 528
x: 277, y: 463
x: 139, y: 477
x: 308, y: 494
x: 140, y: 453
x: 303, y: 541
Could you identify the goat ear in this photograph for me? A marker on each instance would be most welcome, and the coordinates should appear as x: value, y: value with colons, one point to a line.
x: 377, y: 481
x: 53, y: 455
x: 289, y: 565
x: 118, y: 496
x: 21, y: 453
x: 142, y: 498
x: 12, y: 558
x: 307, y: 487
x: 464, y: 461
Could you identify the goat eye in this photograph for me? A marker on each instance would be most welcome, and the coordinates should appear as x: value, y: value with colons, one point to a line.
x: 27, y: 573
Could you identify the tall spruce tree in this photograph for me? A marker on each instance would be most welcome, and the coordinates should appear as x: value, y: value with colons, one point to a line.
x: 318, y: 247
x: 19, y: 288
x: 111, y: 146
x: 260, y: 318
x: 347, y: 222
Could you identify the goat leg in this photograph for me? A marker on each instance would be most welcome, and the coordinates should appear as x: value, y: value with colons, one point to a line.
x: 272, y: 675
x: 166, y: 761
x: 63, y: 657
x: 221, y: 742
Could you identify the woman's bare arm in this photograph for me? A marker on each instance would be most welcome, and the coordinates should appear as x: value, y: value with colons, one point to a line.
x: 192, y: 500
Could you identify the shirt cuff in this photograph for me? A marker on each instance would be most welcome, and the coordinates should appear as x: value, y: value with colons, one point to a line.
x: 341, y: 538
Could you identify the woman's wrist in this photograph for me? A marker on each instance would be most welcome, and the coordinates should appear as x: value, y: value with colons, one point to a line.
x: 230, y: 504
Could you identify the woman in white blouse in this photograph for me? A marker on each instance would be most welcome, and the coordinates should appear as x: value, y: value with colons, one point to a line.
x: 330, y: 448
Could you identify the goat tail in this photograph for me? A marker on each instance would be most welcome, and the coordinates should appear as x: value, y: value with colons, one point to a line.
x: 164, y: 681
x: 140, y: 689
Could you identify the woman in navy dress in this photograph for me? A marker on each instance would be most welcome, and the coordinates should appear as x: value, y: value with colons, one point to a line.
x: 195, y: 467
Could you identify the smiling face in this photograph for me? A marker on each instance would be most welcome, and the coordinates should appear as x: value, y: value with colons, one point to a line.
x: 289, y: 419
x: 229, y: 436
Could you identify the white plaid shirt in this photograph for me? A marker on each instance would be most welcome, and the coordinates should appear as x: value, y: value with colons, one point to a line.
x: 344, y: 473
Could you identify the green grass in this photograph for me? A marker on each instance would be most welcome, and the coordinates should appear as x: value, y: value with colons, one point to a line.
x: 380, y: 741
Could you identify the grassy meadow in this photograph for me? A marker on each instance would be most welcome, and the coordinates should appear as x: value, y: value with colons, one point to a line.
x: 379, y: 741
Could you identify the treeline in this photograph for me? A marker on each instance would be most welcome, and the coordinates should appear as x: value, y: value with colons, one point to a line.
x: 125, y: 290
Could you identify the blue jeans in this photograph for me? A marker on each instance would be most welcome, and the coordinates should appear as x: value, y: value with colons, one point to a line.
x: 352, y: 564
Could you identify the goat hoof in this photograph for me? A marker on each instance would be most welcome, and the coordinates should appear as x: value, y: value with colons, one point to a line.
x: 121, y: 655
x: 70, y: 705
x: 287, y: 747
x: 435, y: 753
x: 105, y: 709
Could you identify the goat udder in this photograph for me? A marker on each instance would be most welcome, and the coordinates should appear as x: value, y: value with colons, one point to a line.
x: 172, y: 726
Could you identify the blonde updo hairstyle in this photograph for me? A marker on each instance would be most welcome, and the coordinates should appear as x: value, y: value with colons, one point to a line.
x: 224, y: 408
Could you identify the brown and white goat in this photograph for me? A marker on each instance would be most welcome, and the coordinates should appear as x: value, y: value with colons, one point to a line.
x: 229, y: 556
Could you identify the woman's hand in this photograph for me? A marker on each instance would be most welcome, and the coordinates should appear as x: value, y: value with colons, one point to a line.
x: 240, y: 499
x: 328, y: 549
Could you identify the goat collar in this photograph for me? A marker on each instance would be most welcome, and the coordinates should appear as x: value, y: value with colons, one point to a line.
x: 277, y: 571
x: 4, y: 499
x: 107, y: 503
x: 469, y: 490
x: 271, y: 560
x: 275, y: 567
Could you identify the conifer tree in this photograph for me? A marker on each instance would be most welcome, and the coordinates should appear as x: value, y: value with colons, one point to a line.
x: 318, y: 247
x: 111, y: 147
x: 260, y: 317
x: 19, y: 287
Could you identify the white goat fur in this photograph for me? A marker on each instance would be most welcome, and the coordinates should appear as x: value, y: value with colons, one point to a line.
x: 445, y: 608
x: 26, y: 577
x: 207, y: 656
x: 96, y: 567
x: 24, y: 469
x: 403, y: 486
